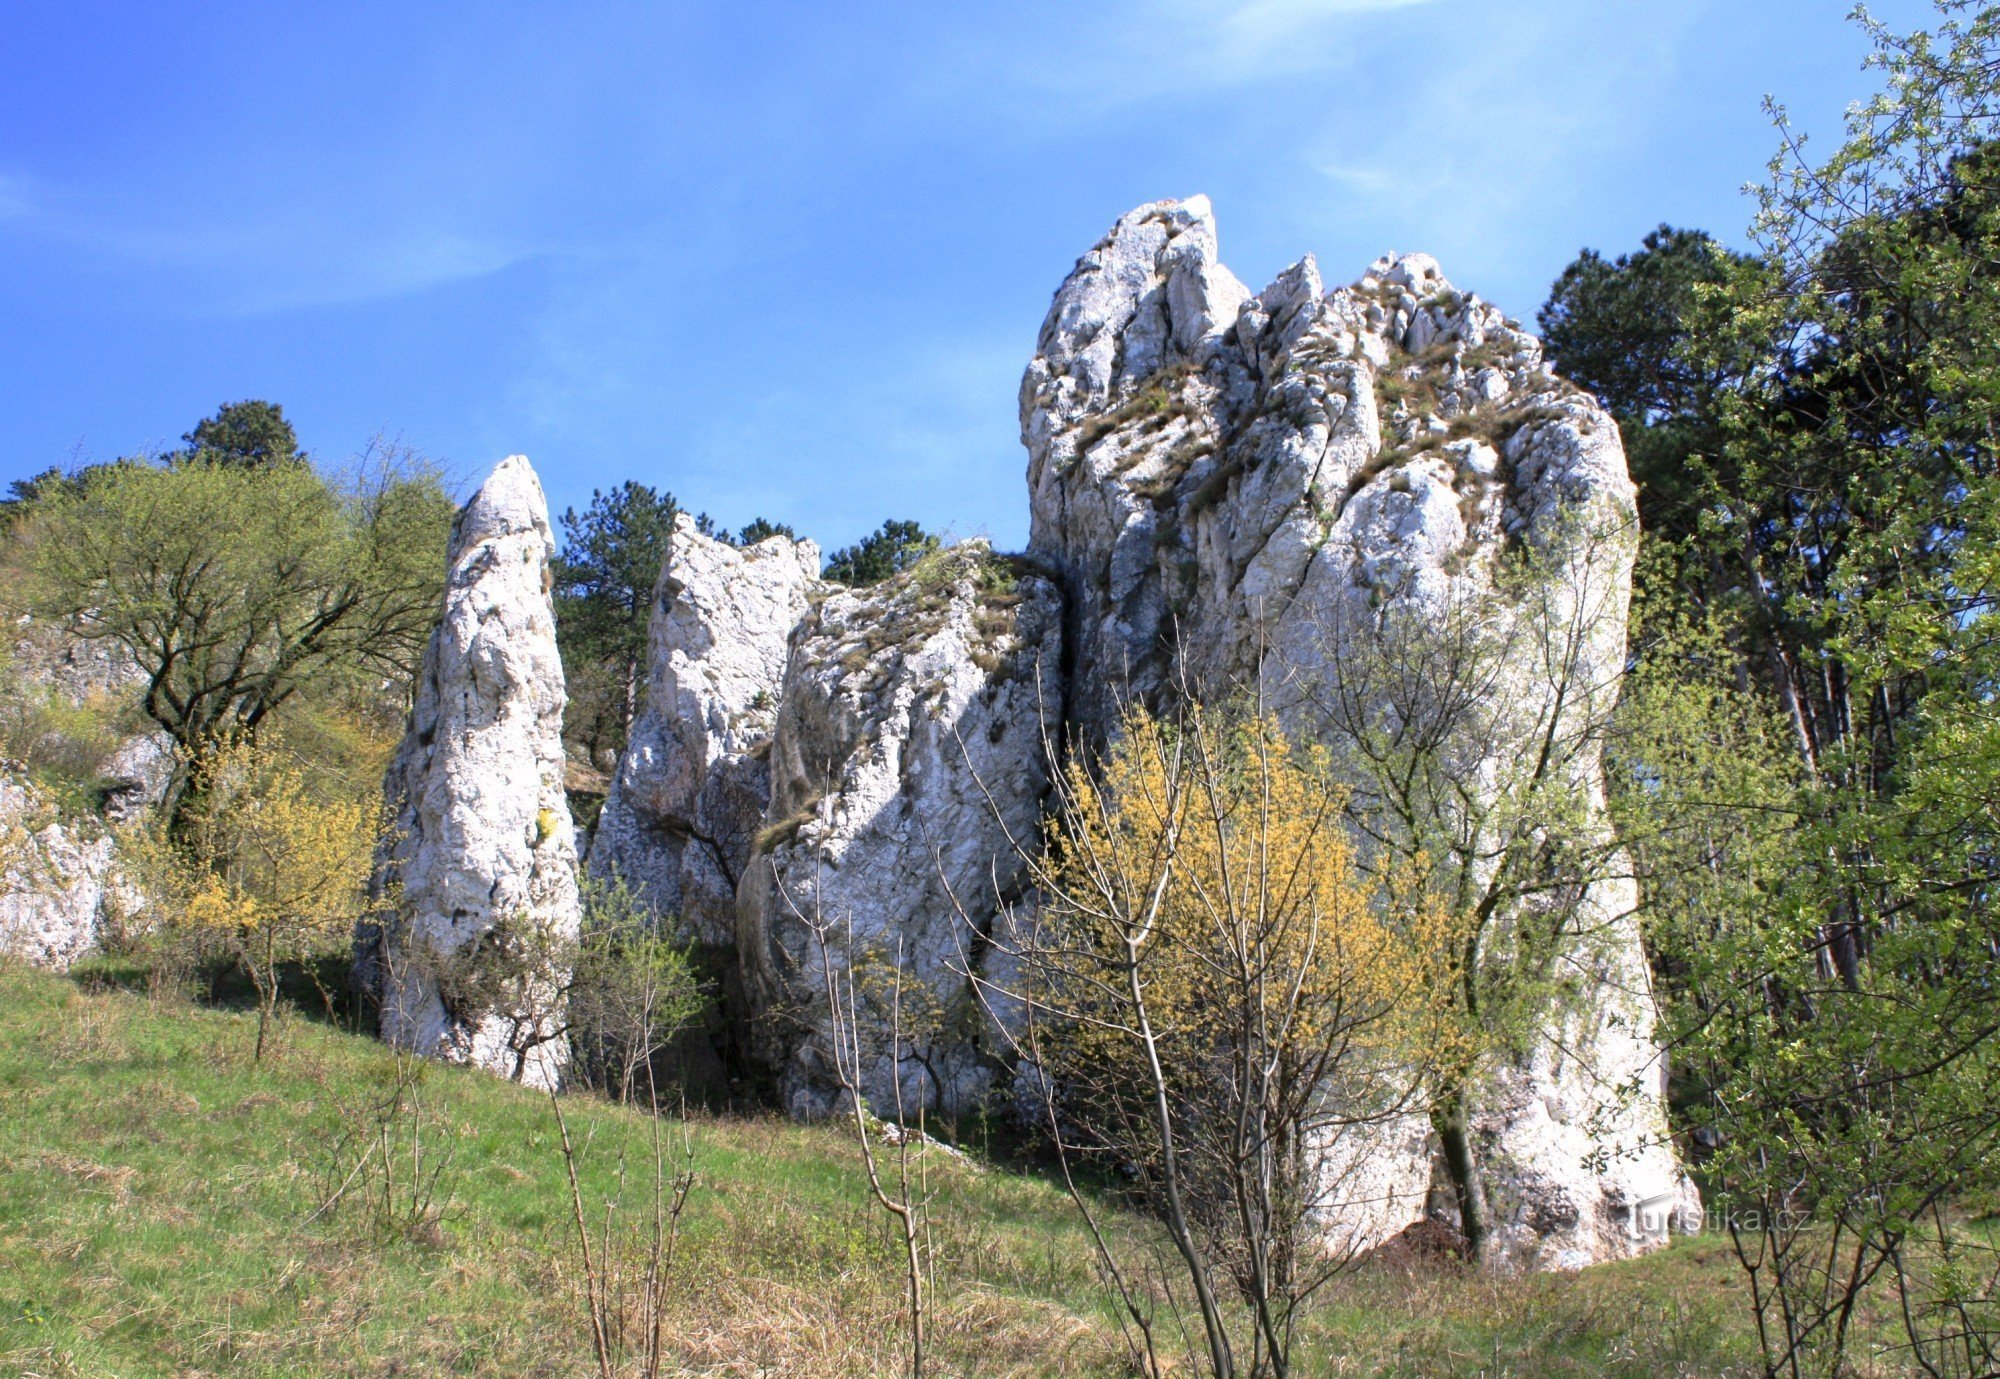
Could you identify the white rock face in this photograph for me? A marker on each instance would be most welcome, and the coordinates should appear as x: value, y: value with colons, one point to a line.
x: 59, y: 883
x: 689, y: 796
x: 1572, y: 1100
x: 1294, y: 489
x: 484, y: 855
x: 908, y: 749
x: 136, y: 776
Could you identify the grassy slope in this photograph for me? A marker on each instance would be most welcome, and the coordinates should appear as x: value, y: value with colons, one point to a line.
x: 156, y: 1185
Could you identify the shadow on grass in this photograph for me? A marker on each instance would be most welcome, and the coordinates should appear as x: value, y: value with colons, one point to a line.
x: 318, y: 990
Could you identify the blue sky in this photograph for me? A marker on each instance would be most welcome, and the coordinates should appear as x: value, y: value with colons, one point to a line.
x: 789, y: 259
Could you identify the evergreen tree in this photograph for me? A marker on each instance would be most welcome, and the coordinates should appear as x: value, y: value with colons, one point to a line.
x: 1621, y: 329
x: 611, y: 559
x: 759, y: 529
x: 890, y: 550
x: 244, y: 434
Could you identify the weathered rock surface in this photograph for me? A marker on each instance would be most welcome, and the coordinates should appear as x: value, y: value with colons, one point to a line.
x: 479, y: 882
x: 907, y: 764
x: 1572, y: 1132
x: 1289, y: 491
x: 136, y: 776
x: 689, y: 797
x: 57, y: 655
x: 60, y: 889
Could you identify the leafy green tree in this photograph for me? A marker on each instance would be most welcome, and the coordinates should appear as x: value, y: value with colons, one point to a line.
x: 632, y: 992
x: 892, y: 549
x: 612, y: 554
x: 245, y: 434
x: 235, y: 589
x: 24, y: 495
x: 1811, y: 755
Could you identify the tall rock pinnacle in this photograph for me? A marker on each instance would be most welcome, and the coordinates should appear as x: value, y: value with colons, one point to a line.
x: 479, y: 879
x: 690, y: 791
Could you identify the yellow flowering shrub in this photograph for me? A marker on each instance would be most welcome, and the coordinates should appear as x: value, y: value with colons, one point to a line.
x: 269, y: 859
x: 1220, y: 992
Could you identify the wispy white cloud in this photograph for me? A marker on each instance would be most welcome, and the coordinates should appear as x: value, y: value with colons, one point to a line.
x: 1145, y: 49
x: 249, y: 267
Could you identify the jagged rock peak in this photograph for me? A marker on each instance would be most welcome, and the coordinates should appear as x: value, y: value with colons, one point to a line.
x: 1194, y: 449
x: 1147, y: 294
x: 1275, y: 492
x: 478, y: 881
x: 689, y: 794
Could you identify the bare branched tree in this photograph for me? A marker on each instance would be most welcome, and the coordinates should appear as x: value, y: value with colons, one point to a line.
x: 1470, y: 726
x: 906, y: 1193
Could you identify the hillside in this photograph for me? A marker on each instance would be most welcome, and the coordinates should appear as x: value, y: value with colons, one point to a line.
x: 158, y: 1190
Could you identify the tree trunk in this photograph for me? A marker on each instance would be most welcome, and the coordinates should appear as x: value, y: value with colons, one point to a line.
x: 1449, y: 1119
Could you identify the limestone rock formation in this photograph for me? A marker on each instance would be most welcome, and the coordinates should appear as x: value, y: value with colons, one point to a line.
x: 60, y: 888
x: 1363, y: 503
x: 478, y: 882
x: 136, y: 776
x: 1371, y: 505
x: 689, y: 796
x: 907, y: 763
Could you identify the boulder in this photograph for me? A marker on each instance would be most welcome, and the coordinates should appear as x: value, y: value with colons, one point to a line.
x: 60, y: 889
x: 478, y: 884
x: 907, y: 772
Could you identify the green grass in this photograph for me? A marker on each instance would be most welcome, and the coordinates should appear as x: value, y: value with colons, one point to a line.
x: 158, y: 1192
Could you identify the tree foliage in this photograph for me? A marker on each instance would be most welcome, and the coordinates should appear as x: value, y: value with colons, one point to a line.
x: 272, y: 859
x: 24, y: 496
x: 1621, y: 328
x: 761, y: 529
x: 604, y: 580
x: 1811, y: 753
x: 247, y: 435
x: 611, y: 558
x: 235, y: 589
x: 1467, y: 727
x: 1225, y: 1005
x: 889, y: 550
x: 632, y: 991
